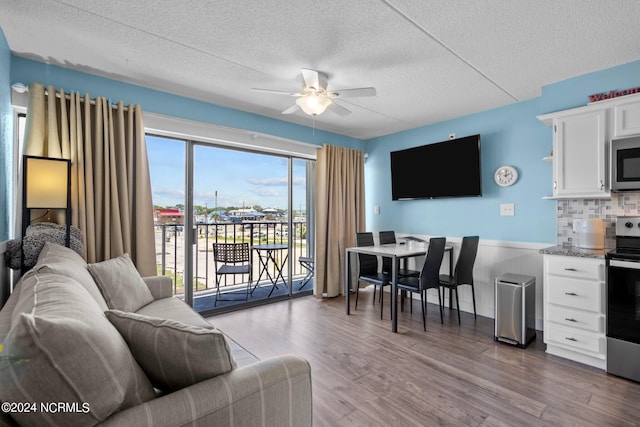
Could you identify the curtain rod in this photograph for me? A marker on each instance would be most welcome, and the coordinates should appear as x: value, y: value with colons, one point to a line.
x: 21, y: 88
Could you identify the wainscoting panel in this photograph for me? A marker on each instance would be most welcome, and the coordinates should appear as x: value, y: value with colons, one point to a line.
x: 494, y: 259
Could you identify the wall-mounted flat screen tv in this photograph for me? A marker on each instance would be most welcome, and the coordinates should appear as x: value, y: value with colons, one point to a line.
x: 449, y: 168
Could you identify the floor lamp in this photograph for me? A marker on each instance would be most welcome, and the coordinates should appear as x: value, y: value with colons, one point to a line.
x: 46, y: 184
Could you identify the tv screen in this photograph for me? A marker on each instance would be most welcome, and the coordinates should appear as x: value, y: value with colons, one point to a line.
x: 444, y: 169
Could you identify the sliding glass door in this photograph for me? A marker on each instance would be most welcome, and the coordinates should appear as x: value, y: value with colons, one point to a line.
x: 230, y: 196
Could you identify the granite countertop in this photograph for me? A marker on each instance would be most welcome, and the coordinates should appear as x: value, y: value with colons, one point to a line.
x: 575, y: 251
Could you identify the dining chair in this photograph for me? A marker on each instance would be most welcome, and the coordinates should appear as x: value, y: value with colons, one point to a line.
x: 368, y: 269
x: 388, y: 237
x: 235, y: 259
x: 429, y: 277
x: 463, y: 272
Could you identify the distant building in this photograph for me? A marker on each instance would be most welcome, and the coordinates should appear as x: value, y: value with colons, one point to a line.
x: 168, y: 216
x: 246, y: 214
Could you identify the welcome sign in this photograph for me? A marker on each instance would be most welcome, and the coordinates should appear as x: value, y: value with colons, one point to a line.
x: 613, y: 94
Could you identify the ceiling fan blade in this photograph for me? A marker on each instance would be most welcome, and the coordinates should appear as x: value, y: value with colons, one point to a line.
x: 314, y: 79
x: 338, y: 109
x: 277, y: 92
x: 352, y: 93
x: 291, y: 109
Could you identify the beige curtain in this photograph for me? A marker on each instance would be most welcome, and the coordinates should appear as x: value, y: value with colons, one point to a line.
x: 339, y: 214
x: 111, y: 188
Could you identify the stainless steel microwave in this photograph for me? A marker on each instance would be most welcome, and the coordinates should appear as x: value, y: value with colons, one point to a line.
x: 625, y: 164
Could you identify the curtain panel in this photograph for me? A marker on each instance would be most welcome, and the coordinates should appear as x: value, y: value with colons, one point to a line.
x: 339, y: 214
x: 111, y: 188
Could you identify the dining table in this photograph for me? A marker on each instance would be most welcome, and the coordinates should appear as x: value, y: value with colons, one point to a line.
x: 395, y: 251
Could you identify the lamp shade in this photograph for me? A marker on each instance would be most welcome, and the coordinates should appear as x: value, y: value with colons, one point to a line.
x: 47, y: 183
x: 313, y: 104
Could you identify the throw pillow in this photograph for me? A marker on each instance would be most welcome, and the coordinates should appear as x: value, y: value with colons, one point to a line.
x: 63, y: 349
x: 173, y: 354
x: 61, y: 260
x: 121, y: 284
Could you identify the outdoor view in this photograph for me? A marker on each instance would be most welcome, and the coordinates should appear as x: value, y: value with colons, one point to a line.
x: 238, y: 196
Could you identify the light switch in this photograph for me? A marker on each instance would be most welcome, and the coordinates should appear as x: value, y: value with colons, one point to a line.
x: 507, y: 209
x: 376, y: 209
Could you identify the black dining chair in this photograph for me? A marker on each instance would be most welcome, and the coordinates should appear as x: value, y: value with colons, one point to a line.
x: 463, y: 272
x: 388, y: 237
x: 429, y: 277
x: 368, y: 269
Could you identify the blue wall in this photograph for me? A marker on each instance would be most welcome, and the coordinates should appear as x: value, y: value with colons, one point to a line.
x: 510, y: 135
x: 6, y: 138
x: 27, y: 71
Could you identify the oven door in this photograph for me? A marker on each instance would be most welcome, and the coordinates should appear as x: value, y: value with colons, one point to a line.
x: 623, y: 300
x: 625, y: 164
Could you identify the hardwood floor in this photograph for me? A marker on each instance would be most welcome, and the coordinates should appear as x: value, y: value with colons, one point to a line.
x: 364, y: 375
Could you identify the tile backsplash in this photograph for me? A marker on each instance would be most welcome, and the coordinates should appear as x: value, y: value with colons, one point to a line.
x: 620, y: 204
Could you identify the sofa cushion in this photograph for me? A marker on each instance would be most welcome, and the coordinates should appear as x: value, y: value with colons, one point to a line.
x: 61, y: 260
x: 121, y: 284
x: 65, y: 350
x: 173, y: 354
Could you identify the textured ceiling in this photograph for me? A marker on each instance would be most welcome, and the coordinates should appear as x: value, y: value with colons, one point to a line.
x: 429, y: 60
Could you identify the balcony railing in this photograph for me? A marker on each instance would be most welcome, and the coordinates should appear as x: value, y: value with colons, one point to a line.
x: 170, y: 251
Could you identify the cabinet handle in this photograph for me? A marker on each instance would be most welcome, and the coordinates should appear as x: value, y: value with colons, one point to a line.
x: 570, y: 339
x: 571, y: 294
x: 571, y: 269
x: 570, y: 320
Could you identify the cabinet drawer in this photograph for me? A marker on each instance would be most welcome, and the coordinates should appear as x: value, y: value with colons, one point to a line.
x: 576, y: 339
x: 593, y: 322
x: 579, y: 268
x: 575, y: 293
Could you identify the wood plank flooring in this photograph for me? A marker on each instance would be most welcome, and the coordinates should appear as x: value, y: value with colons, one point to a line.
x: 451, y: 375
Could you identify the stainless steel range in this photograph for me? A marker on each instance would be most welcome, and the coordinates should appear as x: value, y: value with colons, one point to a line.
x: 623, y: 301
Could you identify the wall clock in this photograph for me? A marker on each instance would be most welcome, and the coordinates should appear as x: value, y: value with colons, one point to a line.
x: 505, y: 176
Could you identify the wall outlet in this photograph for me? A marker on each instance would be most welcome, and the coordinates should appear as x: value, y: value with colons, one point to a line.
x: 376, y: 210
x: 507, y: 209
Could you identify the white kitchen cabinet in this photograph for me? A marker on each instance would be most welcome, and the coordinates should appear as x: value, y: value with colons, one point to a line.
x: 626, y: 117
x: 580, y: 155
x: 574, y: 308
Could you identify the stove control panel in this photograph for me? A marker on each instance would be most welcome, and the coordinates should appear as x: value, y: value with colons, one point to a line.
x: 628, y: 226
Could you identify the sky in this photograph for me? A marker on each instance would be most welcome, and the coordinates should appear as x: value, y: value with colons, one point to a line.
x: 240, y: 178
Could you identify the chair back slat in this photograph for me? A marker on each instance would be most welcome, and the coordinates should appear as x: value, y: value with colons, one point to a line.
x: 387, y: 237
x: 430, y: 274
x: 463, y: 273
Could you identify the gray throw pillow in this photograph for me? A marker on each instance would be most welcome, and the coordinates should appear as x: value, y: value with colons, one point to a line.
x: 173, y: 354
x: 63, y: 349
x: 121, y: 284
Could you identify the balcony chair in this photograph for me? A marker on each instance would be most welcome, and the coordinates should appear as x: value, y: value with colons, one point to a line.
x: 306, y: 263
x: 463, y: 273
x: 428, y: 279
x: 368, y: 269
x: 235, y: 259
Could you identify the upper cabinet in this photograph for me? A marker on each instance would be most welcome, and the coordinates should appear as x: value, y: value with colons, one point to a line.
x: 581, y: 140
x: 626, y: 119
x: 579, y: 149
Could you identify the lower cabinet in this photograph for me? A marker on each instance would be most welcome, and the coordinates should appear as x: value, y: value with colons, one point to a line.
x: 574, y: 309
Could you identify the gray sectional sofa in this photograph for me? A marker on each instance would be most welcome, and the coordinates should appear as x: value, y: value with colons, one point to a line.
x: 98, y: 345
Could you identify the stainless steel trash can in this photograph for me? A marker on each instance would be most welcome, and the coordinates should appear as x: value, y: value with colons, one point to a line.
x: 515, y: 304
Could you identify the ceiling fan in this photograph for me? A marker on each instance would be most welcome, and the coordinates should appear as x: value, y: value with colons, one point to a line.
x: 314, y: 98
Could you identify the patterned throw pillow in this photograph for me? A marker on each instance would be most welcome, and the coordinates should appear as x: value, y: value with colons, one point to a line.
x: 173, y: 354
x: 121, y: 284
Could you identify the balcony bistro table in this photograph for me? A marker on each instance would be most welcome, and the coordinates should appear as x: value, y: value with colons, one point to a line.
x: 266, y: 253
x: 395, y: 251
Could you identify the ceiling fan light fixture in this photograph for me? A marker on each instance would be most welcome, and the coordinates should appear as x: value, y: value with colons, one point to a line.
x: 313, y: 104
